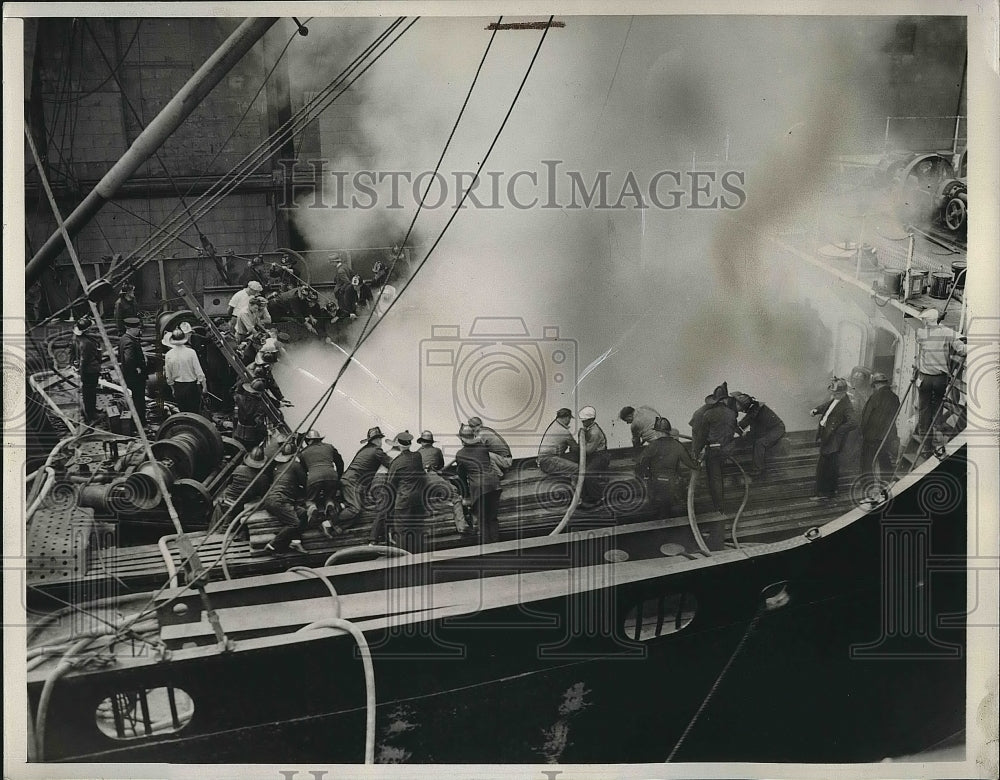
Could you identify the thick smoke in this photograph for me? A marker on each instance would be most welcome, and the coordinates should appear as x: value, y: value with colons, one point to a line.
x: 675, y: 301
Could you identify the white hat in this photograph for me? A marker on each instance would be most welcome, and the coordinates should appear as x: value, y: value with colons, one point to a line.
x: 929, y: 315
x: 255, y: 286
x: 588, y: 413
x: 186, y: 327
x: 175, y: 338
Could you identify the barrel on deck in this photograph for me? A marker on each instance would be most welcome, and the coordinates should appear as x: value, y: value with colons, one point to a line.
x: 940, y: 283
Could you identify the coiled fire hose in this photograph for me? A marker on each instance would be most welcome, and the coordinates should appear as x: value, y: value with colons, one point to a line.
x: 576, y: 493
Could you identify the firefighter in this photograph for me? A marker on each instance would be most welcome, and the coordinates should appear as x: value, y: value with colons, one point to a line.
x: 357, y: 478
x: 88, y: 363
x: 324, y: 468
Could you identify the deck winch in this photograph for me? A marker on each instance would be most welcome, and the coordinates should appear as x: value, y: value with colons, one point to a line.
x: 191, y: 461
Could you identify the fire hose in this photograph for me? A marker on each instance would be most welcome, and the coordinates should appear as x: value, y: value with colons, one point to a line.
x: 692, y: 519
x: 578, y: 492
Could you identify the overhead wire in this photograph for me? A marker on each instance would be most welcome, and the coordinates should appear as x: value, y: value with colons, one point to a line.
x: 253, y: 159
x: 93, y: 90
x: 465, y: 194
x: 307, y: 422
x: 258, y: 156
x: 433, y: 176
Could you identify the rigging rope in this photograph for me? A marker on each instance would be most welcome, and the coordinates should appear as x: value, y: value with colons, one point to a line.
x: 265, y: 149
x: 254, y: 159
x: 717, y: 683
x: 311, y: 416
x: 465, y: 194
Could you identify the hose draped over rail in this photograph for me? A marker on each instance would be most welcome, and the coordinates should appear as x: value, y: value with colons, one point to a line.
x: 366, y: 655
x: 381, y: 549
x: 693, y: 520
x: 576, y: 493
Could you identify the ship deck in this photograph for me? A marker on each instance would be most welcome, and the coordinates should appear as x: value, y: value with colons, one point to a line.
x: 777, y: 508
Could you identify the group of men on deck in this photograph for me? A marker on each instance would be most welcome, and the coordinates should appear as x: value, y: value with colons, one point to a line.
x: 309, y: 483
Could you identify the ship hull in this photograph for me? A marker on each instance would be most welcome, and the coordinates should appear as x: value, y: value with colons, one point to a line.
x: 846, y: 648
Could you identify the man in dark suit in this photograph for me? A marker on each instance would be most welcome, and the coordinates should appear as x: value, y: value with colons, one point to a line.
x: 836, y: 421
x: 406, y: 481
x: 878, y: 422
x: 133, y: 364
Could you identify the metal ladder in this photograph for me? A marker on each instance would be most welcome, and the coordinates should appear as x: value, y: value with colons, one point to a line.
x: 230, y: 354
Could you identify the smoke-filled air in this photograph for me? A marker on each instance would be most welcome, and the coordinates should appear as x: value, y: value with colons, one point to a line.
x: 652, y: 305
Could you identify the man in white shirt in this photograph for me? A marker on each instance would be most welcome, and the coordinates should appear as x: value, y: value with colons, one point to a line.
x: 933, y: 367
x: 642, y: 422
x: 241, y: 299
x: 252, y: 319
x: 183, y: 372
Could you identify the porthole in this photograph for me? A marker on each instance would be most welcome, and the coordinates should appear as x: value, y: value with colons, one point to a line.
x: 147, y: 712
x: 660, y: 616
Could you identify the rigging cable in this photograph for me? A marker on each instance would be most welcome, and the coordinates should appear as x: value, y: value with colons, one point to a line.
x: 132, y: 264
x: 465, y: 194
x: 266, y: 148
x: 432, y: 178
x: 138, y: 118
x: 319, y: 406
x: 718, y: 681
x: 89, y: 92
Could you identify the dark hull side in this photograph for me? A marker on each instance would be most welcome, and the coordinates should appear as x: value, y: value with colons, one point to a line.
x: 866, y: 660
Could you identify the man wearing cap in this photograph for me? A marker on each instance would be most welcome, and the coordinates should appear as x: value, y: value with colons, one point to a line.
x: 437, y: 486
x: 480, y: 482
x: 935, y: 343
x: 499, y: 450
x: 596, y: 445
x: 183, y: 372
x: 878, y: 423
x: 254, y: 272
x: 126, y: 306
x: 241, y: 299
x: 283, y: 499
x: 251, y: 414
x: 658, y: 467
x: 699, y: 415
x: 558, y: 452
x: 324, y: 467
x: 88, y: 362
x: 406, y: 481
x: 763, y: 428
x: 713, y: 443
x: 836, y: 421
x: 133, y: 364
x: 291, y: 305
x: 341, y: 276
x: 642, y: 422
x: 260, y: 368
x: 356, y: 482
